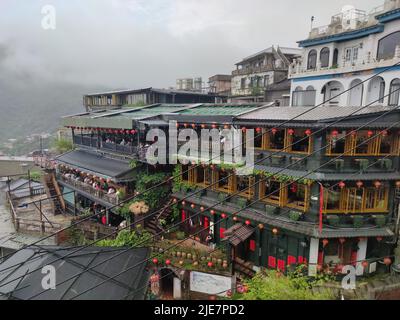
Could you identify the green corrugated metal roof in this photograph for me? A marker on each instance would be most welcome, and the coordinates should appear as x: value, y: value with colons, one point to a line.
x: 228, y: 110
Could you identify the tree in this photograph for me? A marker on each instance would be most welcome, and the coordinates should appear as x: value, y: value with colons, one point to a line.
x: 273, y: 285
x: 63, y: 145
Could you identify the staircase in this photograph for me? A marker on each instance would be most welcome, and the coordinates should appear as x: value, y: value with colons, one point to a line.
x: 153, y: 225
x: 244, y: 269
x: 53, y: 192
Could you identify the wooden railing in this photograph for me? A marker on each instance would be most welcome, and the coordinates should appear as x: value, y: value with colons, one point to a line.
x: 100, y: 194
x: 31, y: 225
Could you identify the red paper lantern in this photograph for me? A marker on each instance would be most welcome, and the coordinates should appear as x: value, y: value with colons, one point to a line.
x: 334, y: 133
x: 133, y: 131
x: 341, y: 184
x: 377, y: 184
x: 192, y: 206
x: 258, y: 130
x: 177, y: 125
x: 325, y: 242
x: 214, y: 126
x: 203, y: 126
x: 261, y: 226
x: 202, y: 209
x: 223, y: 216
x: 235, y: 218
x: 210, y: 264
x: 193, y: 126
x: 248, y: 222
x: 342, y: 240
x: 359, y: 184
x: 379, y: 239
x: 308, y: 132
x: 155, y: 261
x: 370, y: 133
x: 212, y: 212
x: 387, y: 261
x: 384, y: 133
x: 291, y: 132
x: 244, y: 129
x: 185, y: 125
x: 364, y: 264
x: 167, y: 262
x: 275, y: 231
x: 175, y: 200
x: 274, y: 131
x: 226, y: 126
x: 183, y: 203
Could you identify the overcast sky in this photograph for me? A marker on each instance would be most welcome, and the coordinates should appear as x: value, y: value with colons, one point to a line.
x: 139, y: 43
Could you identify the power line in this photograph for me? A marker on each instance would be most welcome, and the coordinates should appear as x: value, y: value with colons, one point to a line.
x: 234, y: 214
x: 210, y: 160
x: 391, y: 110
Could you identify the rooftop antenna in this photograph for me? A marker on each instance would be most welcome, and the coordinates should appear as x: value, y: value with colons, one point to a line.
x: 312, y: 21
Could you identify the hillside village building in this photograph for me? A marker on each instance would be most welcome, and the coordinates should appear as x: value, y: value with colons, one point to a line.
x: 323, y: 191
x: 255, y: 73
x: 343, y: 54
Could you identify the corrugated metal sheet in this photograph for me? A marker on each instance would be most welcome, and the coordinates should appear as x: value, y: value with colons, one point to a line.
x: 322, y: 113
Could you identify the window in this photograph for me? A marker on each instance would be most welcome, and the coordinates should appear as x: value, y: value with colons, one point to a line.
x: 258, y: 139
x: 324, y: 57
x: 335, y: 58
x: 355, y: 54
x: 383, y: 144
x: 223, y: 181
x: 338, y: 143
x: 312, y: 60
x: 275, y: 139
x: 243, y: 83
x: 387, y: 46
x: 356, y: 200
x: 299, y: 141
x: 348, y: 54
x: 356, y: 93
x: 298, y: 196
x: 245, y: 186
x: 363, y: 144
x: 185, y: 173
x: 351, y: 54
x: 266, y: 80
x: 304, y: 98
x: 394, y: 93
x: 332, y: 199
x: 332, y: 91
x: 387, y: 143
x: 271, y: 192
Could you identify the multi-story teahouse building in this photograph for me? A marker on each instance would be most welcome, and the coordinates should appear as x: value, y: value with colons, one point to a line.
x: 324, y: 190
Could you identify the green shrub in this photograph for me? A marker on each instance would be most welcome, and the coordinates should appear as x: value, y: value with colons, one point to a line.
x: 333, y: 220
x: 358, y: 221
x: 380, y: 220
x: 180, y: 235
x: 294, y: 215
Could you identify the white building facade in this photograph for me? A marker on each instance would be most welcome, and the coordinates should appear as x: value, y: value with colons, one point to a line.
x: 344, y: 54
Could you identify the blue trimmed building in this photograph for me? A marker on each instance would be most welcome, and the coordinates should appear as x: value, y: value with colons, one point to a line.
x: 344, y: 54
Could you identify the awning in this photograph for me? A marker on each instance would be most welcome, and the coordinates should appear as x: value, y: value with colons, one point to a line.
x: 97, y: 164
x: 238, y: 234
